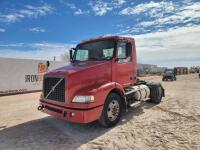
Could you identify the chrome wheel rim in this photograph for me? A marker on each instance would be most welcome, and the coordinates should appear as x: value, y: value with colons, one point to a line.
x: 113, y: 110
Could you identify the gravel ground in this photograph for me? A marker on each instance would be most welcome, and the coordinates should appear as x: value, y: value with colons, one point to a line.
x: 173, y: 124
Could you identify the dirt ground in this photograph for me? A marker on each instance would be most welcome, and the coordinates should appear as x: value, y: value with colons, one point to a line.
x: 173, y: 124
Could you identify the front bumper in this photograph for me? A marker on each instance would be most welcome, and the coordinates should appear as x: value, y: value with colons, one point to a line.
x: 168, y: 77
x: 72, y: 114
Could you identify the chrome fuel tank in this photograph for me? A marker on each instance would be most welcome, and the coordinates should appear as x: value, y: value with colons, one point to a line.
x: 141, y: 92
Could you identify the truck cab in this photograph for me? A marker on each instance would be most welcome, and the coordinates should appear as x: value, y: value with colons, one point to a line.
x: 98, y: 83
x: 169, y: 74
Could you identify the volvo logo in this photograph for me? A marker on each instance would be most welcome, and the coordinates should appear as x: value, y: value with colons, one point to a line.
x: 53, y: 88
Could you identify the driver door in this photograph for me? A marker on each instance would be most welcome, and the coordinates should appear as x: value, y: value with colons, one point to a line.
x: 124, y: 66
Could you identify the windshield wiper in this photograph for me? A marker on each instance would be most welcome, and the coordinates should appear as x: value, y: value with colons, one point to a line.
x: 106, y: 58
x: 100, y: 59
x: 93, y: 58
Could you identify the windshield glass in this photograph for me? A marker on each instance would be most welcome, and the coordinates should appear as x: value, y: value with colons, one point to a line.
x: 168, y: 72
x: 97, y: 51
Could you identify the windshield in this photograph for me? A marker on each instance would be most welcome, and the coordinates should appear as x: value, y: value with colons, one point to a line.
x: 168, y: 72
x: 97, y: 51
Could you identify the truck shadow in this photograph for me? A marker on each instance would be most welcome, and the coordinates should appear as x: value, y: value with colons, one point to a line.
x: 51, y: 133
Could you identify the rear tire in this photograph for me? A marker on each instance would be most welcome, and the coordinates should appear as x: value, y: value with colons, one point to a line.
x: 156, y: 92
x: 112, y: 111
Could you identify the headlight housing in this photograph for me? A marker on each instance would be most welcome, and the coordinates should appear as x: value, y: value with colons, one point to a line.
x: 83, y: 99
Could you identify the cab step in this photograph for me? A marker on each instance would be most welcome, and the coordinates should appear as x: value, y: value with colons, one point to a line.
x: 135, y: 104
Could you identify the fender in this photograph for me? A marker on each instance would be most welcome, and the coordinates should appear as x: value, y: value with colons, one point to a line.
x: 105, y: 89
x: 101, y: 92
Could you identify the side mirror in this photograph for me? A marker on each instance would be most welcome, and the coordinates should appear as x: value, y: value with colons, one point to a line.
x: 48, y: 64
x: 71, y: 54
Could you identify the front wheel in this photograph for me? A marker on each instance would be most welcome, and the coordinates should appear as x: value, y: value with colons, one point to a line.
x: 112, y: 111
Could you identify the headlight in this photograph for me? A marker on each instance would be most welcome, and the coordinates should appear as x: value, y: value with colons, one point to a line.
x: 83, y: 99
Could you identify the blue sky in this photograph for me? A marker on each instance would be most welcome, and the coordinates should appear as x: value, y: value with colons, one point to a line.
x: 166, y: 32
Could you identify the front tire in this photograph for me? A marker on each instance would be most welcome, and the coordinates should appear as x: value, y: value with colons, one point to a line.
x: 112, y: 110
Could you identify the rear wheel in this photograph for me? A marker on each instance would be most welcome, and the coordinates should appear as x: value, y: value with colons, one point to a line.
x: 156, y: 92
x: 112, y: 111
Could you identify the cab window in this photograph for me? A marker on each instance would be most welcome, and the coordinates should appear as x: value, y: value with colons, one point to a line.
x: 124, y: 53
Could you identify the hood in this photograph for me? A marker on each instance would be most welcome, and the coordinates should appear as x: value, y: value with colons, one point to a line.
x: 76, y: 67
x: 83, y: 76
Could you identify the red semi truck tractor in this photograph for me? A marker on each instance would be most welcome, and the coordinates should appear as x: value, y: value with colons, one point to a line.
x: 98, y: 84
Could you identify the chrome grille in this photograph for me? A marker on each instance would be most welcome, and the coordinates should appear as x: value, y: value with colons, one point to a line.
x: 54, y: 89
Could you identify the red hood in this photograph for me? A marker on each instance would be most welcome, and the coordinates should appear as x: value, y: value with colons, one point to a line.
x: 83, y: 76
x: 76, y: 67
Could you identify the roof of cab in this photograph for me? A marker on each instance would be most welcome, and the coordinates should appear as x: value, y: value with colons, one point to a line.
x: 105, y: 38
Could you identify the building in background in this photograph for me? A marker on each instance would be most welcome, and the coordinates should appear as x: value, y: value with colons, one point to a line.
x: 149, y: 69
x: 181, y: 70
